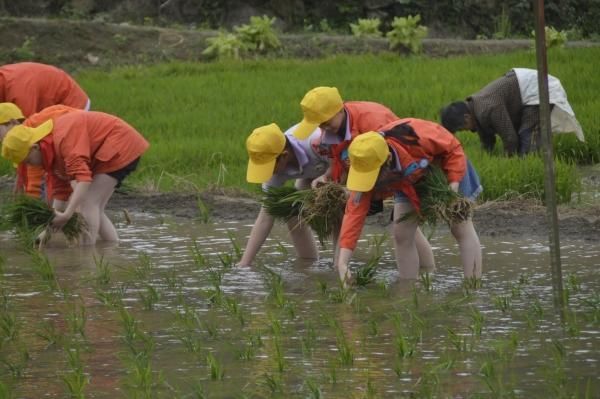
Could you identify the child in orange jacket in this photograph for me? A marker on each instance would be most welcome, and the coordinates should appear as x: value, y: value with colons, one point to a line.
x: 92, y: 152
x: 29, y: 177
x: 388, y: 163
x: 32, y: 87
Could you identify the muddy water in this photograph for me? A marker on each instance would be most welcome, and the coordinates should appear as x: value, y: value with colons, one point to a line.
x: 391, y: 339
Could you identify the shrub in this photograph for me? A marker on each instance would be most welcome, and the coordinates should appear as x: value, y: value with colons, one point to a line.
x: 406, y: 32
x: 554, y: 38
x: 368, y: 27
x: 259, y: 34
x: 224, y: 45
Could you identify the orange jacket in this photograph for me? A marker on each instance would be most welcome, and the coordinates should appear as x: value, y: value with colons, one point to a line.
x: 34, y: 86
x: 362, y: 117
x: 413, y: 140
x: 88, y: 143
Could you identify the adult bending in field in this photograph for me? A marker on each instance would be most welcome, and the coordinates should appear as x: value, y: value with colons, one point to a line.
x: 509, y: 107
x: 275, y: 158
x: 389, y: 163
x: 91, y: 151
x: 32, y: 87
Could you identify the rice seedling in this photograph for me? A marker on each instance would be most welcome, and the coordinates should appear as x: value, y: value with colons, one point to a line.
x: 49, y: 333
x: 332, y: 367
x: 426, y: 281
x: 321, y: 208
x: 275, y: 325
x: 172, y: 281
x: 504, y: 350
x: 198, y: 391
x: 144, y: 266
x: 345, y: 350
x: 2, y: 264
x: 233, y: 307
x: 200, y: 260
x: 235, y: 244
x: 76, y: 318
x: 31, y: 214
x: 309, y: 338
x: 593, y: 304
x: 191, y: 341
x: 142, y: 382
x: 342, y: 294
x: 275, y: 284
x: 102, y: 276
x: 570, y: 323
x: 272, y: 382
x: 365, y: 274
x: 494, y: 380
x: 503, y: 303
x: 312, y: 389
x: 75, y: 380
x: 45, y: 269
x: 439, y: 203
x: 6, y: 392
x: 9, y: 326
x: 573, y: 283
x: 111, y: 297
x: 278, y: 354
x: 215, y: 367
x: 477, y: 320
x: 17, y: 363
x: 227, y: 259
x: 458, y: 341
x: 281, y: 248
x: 471, y: 284
x: 150, y: 297
x: 203, y: 211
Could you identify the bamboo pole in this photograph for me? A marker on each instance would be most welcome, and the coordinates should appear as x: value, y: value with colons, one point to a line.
x: 546, y: 139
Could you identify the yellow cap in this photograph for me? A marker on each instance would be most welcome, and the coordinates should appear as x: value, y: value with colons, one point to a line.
x: 10, y: 111
x: 19, y: 139
x: 318, y: 105
x: 367, y: 153
x: 264, y: 145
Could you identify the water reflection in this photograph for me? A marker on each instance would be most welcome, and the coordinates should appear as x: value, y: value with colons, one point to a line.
x: 393, y: 338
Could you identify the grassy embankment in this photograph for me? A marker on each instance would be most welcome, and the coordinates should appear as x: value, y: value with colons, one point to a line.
x: 197, y: 116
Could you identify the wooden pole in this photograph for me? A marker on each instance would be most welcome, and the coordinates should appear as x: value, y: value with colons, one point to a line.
x: 546, y: 139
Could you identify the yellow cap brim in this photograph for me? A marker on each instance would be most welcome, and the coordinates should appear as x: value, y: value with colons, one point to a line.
x: 42, y: 131
x: 305, y: 129
x: 361, y: 181
x: 260, y: 172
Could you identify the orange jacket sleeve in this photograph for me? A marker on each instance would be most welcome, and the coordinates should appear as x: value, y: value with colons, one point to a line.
x: 357, y: 207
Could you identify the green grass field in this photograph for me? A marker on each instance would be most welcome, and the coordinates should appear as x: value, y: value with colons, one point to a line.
x: 197, y: 116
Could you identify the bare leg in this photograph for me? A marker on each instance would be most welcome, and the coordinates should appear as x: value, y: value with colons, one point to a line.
x: 303, y: 240
x: 407, y: 257
x: 469, y: 247
x: 426, y: 258
x: 92, y: 208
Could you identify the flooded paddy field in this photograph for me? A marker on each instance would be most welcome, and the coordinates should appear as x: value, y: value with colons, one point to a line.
x: 167, y: 314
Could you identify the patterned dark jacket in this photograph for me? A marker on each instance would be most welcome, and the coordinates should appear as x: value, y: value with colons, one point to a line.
x: 497, y: 109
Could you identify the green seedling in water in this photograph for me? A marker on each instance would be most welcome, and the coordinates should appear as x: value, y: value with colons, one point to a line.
x: 405, y: 347
x: 426, y: 282
x: 570, y: 323
x: 309, y: 338
x: 203, y: 211
x: 6, y: 391
x: 503, y: 303
x: 215, y: 295
x: 200, y: 260
x: 471, y: 284
x: 75, y: 380
x: 233, y: 307
x: 49, y: 333
x: 9, y: 326
x: 275, y: 284
x: 477, y: 320
x: 216, y: 370
x: 459, y: 342
x: 113, y: 297
x: 236, y: 246
x: 283, y: 251
x: 227, y: 260
x: 345, y: 350
x: 76, y: 318
x: 342, y: 294
x: 144, y: 267
x: 593, y: 303
x: 191, y: 341
x: 366, y: 274
x: 173, y: 281
x: 573, y: 283
x: 278, y: 354
x: 2, y: 265
x: 45, y: 269
x: 415, y: 297
x: 272, y: 382
x: 312, y: 388
x: 102, y: 276
x: 150, y: 297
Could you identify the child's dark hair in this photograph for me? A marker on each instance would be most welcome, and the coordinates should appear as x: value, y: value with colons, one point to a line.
x: 453, y: 116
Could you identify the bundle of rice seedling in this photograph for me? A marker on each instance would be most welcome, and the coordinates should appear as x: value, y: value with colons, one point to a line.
x: 321, y: 208
x: 34, y: 216
x: 439, y: 201
x: 283, y: 203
